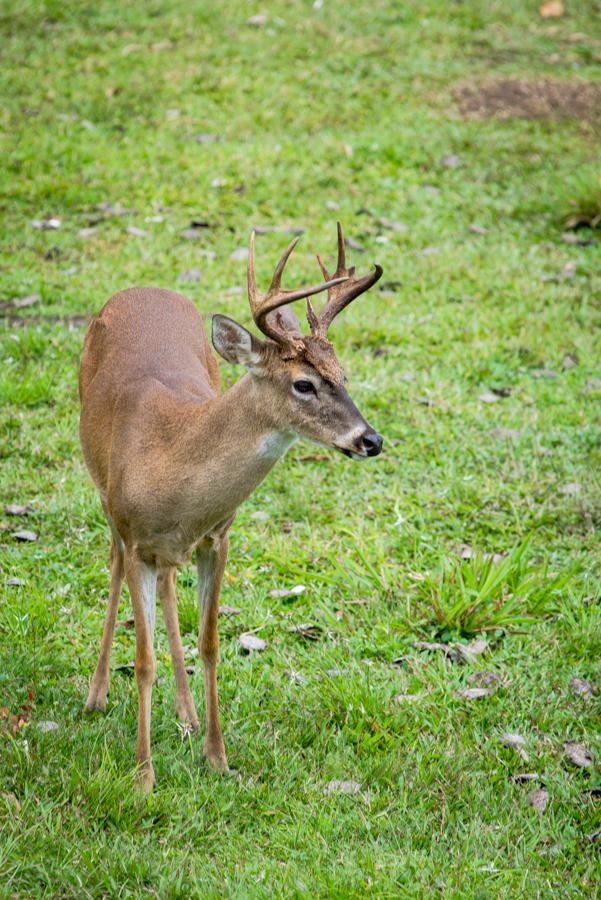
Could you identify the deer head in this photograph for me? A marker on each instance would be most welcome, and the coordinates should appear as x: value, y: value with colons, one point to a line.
x: 300, y: 376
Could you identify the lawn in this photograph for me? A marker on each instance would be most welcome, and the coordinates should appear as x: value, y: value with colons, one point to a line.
x: 477, y: 357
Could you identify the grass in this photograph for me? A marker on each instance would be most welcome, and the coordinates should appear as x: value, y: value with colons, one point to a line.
x: 102, y: 103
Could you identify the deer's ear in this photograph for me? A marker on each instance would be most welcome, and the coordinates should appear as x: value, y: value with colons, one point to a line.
x: 235, y: 343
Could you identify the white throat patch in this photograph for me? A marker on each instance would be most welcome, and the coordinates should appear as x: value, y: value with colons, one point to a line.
x: 274, y: 445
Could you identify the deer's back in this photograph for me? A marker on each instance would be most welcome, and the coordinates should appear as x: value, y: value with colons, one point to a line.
x: 141, y: 337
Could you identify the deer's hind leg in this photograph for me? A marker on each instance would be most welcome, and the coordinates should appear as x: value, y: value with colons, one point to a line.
x: 99, y: 685
x: 184, y: 703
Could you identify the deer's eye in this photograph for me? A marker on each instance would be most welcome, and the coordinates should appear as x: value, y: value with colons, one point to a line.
x: 304, y: 387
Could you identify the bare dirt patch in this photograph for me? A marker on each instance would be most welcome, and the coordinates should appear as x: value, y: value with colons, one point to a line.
x: 542, y: 99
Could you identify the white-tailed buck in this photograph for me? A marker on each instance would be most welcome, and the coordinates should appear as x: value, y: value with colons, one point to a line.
x: 173, y: 458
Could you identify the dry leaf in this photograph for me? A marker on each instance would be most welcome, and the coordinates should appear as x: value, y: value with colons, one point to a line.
x: 582, y: 687
x: 87, y: 232
x: 206, y: 138
x: 451, y: 160
x: 570, y: 361
x: 525, y: 777
x: 471, y: 650
x: 11, y: 799
x: 578, y: 754
x: 478, y: 229
x: 22, y: 302
x: 190, y: 275
x: 228, y: 611
x: 251, y: 642
x: 342, y: 787
x: 15, y: 582
x: 475, y: 693
x: 136, y: 232
x: 48, y: 726
x: 306, y: 630
x: 287, y: 592
x: 25, y: 535
x: 274, y: 229
x: 551, y: 9
x: 593, y: 385
x: 392, y: 225
x: 239, y: 254
x: 17, y: 509
x: 484, y: 678
x: 448, y: 651
x: 544, y: 373
x: 402, y: 698
x: 568, y: 237
x: 257, y: 21
x: 539, y: 800
x: 568, y: 489
x: 332, y: 205
x: 354, y: 245
x: 516, y: 741
x: 191, y: 234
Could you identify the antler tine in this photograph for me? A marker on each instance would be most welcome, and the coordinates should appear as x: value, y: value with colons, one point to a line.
x: 262, y: 305
x: 340, y: 297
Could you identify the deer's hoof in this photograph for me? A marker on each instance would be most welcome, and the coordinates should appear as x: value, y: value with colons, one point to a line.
x: 217, y: 759
x: 145, y: 779
x: 96, y: 702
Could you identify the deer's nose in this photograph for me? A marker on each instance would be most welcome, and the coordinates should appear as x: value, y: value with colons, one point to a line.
x: 371, y: 443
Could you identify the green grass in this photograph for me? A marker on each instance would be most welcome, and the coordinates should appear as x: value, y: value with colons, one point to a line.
x: 101, y: 103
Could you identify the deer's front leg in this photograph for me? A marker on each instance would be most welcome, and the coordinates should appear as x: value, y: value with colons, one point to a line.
x: 211, y: 557
x: 142, y: 582
x: 184, y: 703
x: 99, y: 685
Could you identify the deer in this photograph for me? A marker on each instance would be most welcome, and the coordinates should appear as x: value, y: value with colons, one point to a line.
x: 172, y: 456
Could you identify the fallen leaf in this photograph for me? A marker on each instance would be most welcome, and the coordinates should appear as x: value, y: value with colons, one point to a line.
x: 189, y: 276
x: 507, y: 434
x: 48, y: 726
x: 22, y: 302
x: 525, y: 777
x: 551, y: 9
x: 516, y: 741
x: 568, y: 237
x: 451, y: 160
x: 25, y: 535
x: 475, y: 693
x: 434, y: 647
x: 47, y: 224
x: 17, y: 509
x: 205, y: 138
x: 478, y: 229
x: 191, y: 234
x: 239, y: 254
x: 342, y: 787
x: 574, y: 487
x: 228, y: 611
x: 539, y: 800
x: 392, y: 225
x: 578, y: 754
x: 87, y: 232
x: 582, y: 687
x: 332, y: 204
x: 295, y: 677
x: 306, y: 630
x: 544, y: 373
x: 287, y: 592
x: 251, y: 642
x: 136, y: 232
x: 15, y: 582
x: 484, y: 678
x: 402, y: 698
x: 473, y: 649
x: 274, y: 229
x: 257, y: 21
x: 352, y: 244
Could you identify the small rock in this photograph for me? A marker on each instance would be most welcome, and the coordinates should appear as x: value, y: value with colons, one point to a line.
x: 47, y: 224
x: 15, y: 582
x: 406, y: 698
x: 332, y: 205
x: 257, y: 21
x: 593, y: 385
x: 392, y: 225
x: 191, y: 234
x: 206, y: 138
x: 488, y: 397
x: 352, y: 244
x: 136, y: 232
x: 260, y: 515
x: 570, y: 361
x: 239, y: 254
x: 228, y: 611
x: 450, y: 652
x: 544, y: 373
x: 87, y: 232
x: 484, y: 678
x: 572, y: 488
x: 208, y: 254
x: 525, y: 777
x: 478, y: 229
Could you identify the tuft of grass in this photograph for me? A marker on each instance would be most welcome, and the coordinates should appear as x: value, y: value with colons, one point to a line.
x: 469, y: 596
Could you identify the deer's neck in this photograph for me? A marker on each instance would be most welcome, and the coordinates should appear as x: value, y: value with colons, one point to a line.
x: 231, y: 447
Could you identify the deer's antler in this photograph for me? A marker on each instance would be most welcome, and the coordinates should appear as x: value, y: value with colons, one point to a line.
x: 261, y: 305
x: 340, y: 294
